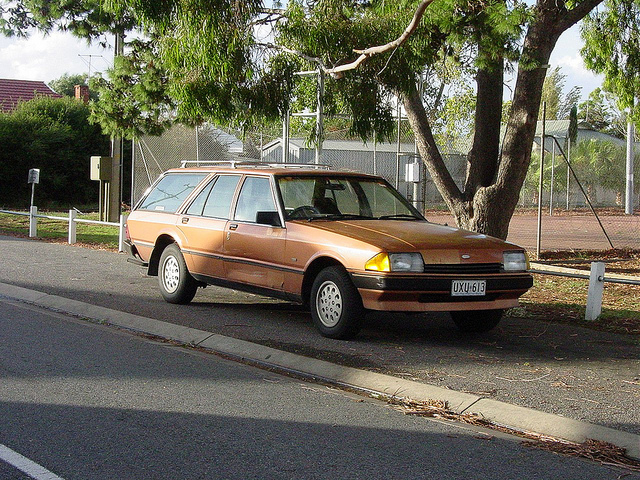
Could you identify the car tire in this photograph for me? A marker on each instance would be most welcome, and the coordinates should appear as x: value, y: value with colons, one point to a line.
x: 176, y: 283
x: 336, y: 306
x: 476, y: 321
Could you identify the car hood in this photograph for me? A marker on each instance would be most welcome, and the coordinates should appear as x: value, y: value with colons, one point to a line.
x: 437, y: 243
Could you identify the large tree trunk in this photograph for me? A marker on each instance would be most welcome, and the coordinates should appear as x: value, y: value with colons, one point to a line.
x: 494, y: 179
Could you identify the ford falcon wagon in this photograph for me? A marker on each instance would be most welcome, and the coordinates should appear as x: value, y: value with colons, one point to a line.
x: 341, y: 243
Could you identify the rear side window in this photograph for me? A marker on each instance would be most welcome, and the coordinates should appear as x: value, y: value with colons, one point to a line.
x: 169, y: 193
x: 219, y: 201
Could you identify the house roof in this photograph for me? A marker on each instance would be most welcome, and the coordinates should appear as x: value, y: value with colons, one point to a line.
x: 13, y: 92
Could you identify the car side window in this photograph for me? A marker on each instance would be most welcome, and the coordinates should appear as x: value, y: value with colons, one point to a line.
x: 169, y: 193
x: 255, y: 196
x: 197, y: 206
x: 218, y: 202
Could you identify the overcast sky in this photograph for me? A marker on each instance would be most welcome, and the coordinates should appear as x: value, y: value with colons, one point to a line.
x: 48, y: 58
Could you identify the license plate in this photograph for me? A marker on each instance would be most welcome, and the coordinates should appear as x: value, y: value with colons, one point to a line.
x: 468, y: 288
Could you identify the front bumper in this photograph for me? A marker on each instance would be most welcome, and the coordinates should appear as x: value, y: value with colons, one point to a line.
x: 430, y: 292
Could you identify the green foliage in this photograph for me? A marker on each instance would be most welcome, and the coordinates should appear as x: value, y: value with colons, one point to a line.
x: 66, y: 85
x: 612, y: 47
x: 54, y: 135
x: 573, y: 125
x: 532, y: 181
x: 454, y: 120
x: 600, y: 111
x: 558, y: 104
x: 596, y: 163
x: 599, y: 163
x: 204, y: 61
x: 447, y: 46
x: 83, y: 18
x: 134, y: 98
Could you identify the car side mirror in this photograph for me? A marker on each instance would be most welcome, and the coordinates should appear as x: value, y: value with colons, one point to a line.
x: 268, y: 218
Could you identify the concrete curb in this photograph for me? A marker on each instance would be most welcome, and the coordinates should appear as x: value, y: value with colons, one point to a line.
x: 500, y: 413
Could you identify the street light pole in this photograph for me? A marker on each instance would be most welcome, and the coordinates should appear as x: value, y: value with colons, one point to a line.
x: 628, y: 207
x: 540, y: 190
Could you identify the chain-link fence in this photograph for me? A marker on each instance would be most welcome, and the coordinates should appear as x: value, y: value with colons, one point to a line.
x: 587, y: 212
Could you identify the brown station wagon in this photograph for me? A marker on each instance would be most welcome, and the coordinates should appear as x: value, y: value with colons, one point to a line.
x: 340, y: 242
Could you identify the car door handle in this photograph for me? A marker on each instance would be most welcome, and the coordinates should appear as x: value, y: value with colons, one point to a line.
x: 185, y: 219
x: 233, y: 226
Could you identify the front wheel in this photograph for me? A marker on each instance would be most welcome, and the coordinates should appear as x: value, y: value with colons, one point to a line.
x: 477, y: 321
x: 176, y: 283
x: 336, y: 306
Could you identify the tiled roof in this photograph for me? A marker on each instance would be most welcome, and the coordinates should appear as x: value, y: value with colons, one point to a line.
x: 14, y: 91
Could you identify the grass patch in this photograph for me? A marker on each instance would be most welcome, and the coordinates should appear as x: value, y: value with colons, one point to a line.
x: 100, y: 236
x: 563, y: 300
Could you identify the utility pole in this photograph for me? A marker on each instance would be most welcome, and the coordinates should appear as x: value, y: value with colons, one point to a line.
x: 319, y: 115
x: 628, y: 206
x: 115, y: 185
x: 540, y: 189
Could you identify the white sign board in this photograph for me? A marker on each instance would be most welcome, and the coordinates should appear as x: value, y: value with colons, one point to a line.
x: 34, y: 175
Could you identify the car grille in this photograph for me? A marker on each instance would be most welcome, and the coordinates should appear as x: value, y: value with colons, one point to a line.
x: 464, y: 269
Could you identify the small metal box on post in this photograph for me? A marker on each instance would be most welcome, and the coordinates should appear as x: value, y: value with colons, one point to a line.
x: 101, y: 171
x: 412, y: 175
x: 34, y: 177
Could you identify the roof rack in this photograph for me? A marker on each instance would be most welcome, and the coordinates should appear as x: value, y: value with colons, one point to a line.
x: 249, y: 163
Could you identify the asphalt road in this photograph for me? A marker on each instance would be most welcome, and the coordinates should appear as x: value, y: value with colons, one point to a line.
x: 89, y: 402
x: 561, y: 369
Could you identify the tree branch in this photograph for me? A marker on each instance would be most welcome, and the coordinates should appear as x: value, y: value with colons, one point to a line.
x: 429, y: 151
x: 297, y: 53
x: 577, y: 13
x: 371, y: 51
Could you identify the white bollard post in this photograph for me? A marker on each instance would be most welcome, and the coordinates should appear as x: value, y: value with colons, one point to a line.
x: 596, y: 287
x: 123, y: 220
x: 72, y: 227
x: 33, y: 221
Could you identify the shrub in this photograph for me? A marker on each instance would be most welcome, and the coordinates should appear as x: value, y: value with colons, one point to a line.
x: 54, y: 135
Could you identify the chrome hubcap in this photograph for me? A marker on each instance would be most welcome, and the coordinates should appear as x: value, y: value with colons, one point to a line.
x: 170, y: 274
x: 329, y: 304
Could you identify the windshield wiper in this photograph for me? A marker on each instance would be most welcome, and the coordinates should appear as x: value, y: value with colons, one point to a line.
x: 340, y: 216
x: 398, y: 216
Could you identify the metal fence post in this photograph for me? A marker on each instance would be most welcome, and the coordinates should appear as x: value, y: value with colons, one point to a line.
x: 33, y: 221
x: 72, y: 227
x: 123, y: 220
x: 596, y: 288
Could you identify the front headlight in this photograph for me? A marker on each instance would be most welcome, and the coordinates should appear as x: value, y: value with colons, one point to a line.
x: 396, y: 262
x: 515, y: 261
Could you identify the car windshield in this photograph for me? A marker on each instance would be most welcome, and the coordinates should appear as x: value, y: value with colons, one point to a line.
x: 342, y: 198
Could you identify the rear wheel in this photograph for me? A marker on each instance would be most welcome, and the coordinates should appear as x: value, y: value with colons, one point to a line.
x: 336, y: 306
x: 477, y: 321
x: 176, y: 283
